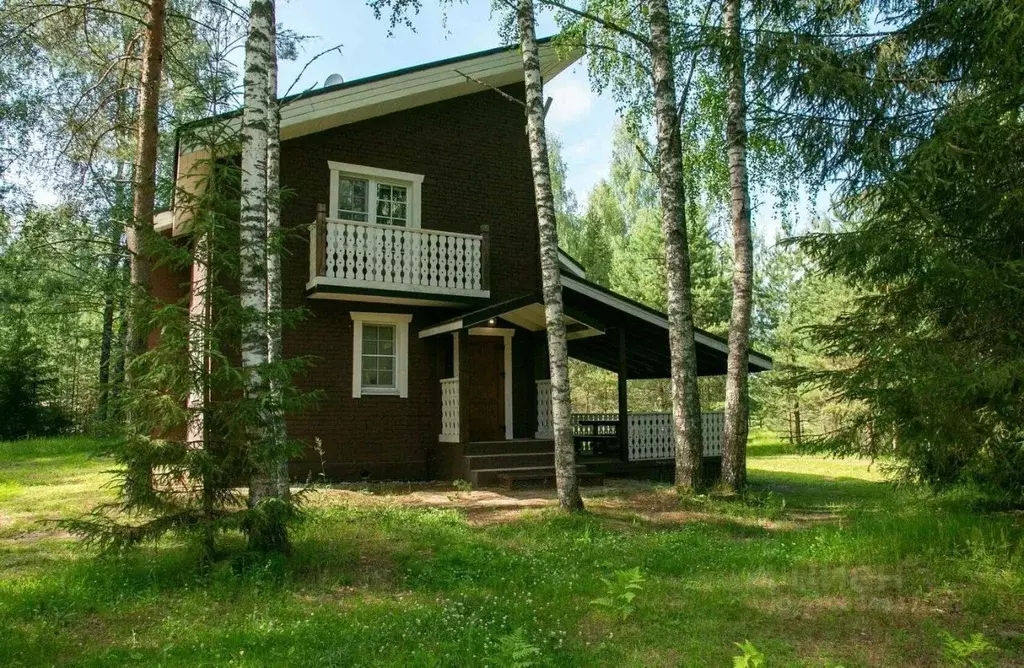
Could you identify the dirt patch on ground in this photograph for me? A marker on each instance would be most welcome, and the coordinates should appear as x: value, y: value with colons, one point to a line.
x: 620, y: 500
x: 481, y: 507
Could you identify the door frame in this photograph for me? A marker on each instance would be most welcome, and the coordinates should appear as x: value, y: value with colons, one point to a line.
x: 506, y: 333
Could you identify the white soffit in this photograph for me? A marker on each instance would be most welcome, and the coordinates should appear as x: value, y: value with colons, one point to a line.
x: 422, y: 85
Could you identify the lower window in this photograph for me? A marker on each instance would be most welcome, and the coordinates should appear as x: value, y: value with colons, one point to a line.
x: 380, y: 359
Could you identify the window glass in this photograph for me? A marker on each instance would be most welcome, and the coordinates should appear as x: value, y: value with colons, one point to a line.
x: 352, y: 198
x: 378, y: 356
x: 391, y: 204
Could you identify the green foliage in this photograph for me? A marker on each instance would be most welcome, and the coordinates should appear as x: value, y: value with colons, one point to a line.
x: 965, y: 652
x: 50, y: 275
x: 28, y: 396
x: 181, y: 459
x: 749, y: 657
x: 389, y: 582
x: 514, y: 650
x: 621, y: 591
x: 930, y: 345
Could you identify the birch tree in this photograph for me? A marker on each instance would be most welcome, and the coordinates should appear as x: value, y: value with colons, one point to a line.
x: 737, y: 401
x: 554, y: 311
x: 261, y: 276
x: 685, y: 398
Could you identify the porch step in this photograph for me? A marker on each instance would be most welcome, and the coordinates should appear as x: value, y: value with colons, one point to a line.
x: 512, y: 481
x: 507, y: 460
x: 526, y: 445
x: 535, y: 474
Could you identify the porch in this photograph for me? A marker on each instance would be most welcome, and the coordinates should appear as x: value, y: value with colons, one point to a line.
x: 605, y: 330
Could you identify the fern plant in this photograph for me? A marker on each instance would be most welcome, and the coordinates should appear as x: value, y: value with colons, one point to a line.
x: 750, y: 656
x: 621, y: 592
x: 964, y: 653
x: 514, y: 650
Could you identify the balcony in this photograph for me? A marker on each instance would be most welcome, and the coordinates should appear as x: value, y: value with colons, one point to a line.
x: 350, y: 259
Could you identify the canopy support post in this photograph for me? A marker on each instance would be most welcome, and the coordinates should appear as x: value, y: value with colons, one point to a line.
x: 623, y: 428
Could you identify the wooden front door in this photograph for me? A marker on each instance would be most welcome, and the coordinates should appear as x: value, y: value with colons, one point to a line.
x: 486, y: 379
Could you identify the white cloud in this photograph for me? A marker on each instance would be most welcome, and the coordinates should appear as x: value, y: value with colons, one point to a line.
x: 572, y: 100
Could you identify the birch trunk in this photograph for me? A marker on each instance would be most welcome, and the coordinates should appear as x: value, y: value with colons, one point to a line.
x: 253, y: 249
x: 273, y: 481
x: 558, y: 352
x: 737, y: 404
x: 685, y: 398
x: 145, y: 175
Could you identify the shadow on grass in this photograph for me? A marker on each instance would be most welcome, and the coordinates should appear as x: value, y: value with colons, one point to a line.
x: 805, y: 491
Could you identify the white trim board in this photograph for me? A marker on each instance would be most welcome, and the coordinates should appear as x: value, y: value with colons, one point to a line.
x: 444, y: 327
x: 571, y: 264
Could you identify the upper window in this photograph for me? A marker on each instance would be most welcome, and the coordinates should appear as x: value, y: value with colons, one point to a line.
x: 372, y: 195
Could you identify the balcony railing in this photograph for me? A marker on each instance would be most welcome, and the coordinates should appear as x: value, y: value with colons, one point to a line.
x: 380, y: 257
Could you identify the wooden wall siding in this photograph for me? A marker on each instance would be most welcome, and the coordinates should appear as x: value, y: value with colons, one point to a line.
x: 405, y: 259
x: 472, y: 152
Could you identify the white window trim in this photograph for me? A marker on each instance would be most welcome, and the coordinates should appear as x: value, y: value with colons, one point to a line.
x: 401, y: 322
x: 414, y: 183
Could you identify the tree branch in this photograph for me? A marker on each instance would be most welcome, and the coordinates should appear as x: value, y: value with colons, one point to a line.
x: 497, y: 90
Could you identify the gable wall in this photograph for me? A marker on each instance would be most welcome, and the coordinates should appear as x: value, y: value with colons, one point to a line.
x: 473, y: 153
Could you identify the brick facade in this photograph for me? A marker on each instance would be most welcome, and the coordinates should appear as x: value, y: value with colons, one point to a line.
x: 473, y: 153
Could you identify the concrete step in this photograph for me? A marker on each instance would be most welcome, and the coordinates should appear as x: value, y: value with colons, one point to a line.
x: 510, y: 460
x: 525, y: 445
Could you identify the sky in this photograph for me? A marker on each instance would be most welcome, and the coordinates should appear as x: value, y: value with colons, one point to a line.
x: 582, y: 120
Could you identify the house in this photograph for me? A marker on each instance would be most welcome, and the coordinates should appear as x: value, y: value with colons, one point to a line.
x: 421, y: 277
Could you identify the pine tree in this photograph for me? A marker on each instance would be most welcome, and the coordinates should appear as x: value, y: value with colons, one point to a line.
x: 140, y: 231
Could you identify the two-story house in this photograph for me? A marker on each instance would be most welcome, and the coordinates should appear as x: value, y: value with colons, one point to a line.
x: 421, y: 277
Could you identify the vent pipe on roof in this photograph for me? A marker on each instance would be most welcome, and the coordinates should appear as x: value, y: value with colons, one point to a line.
x: 334, y: 80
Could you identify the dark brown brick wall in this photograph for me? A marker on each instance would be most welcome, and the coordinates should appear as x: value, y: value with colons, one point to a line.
x: 473, y: 154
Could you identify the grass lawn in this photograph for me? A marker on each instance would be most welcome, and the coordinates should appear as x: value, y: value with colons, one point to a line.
x: 823, y: 564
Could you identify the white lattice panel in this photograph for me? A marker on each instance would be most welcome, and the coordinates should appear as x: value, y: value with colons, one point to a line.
x: 545, y: 423
x: 714, y: 433
x: 403, y: 258
x: 450, y: 408
x: 651, y: 435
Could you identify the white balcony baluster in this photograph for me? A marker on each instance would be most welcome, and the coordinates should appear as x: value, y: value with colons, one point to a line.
x: 381, y: 257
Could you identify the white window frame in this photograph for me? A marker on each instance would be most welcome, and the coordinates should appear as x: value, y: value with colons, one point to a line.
x: 400, y: 321
x: 374, y: 175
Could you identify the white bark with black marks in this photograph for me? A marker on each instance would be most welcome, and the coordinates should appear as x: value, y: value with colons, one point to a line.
x: 277, y: 476
x: 686, y: 419
x: 558, y: 353
x: 737, y: 402
x: 259, y: 60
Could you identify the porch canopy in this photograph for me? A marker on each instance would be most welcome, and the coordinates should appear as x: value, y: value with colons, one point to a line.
x: 604, y: 329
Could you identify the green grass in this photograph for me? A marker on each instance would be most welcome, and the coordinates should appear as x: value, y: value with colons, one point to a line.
x: 821, y: 564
